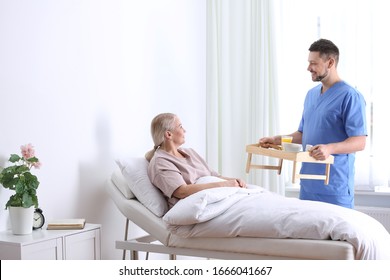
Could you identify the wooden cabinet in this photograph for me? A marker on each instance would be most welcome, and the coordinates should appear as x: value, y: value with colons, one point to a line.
x: 80, y: 244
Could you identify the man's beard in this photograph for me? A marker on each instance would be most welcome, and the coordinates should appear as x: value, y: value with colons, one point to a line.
x: 321, y: 77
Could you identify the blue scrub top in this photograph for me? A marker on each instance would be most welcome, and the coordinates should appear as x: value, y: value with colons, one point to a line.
x: 332, y: 117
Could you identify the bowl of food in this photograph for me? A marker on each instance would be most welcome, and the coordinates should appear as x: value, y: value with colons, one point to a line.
x: 292, y: 147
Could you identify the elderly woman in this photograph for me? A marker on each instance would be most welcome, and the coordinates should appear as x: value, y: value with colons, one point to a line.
x: 175, y: 170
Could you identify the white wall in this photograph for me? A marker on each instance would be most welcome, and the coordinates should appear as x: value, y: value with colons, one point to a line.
x: 81, y: 81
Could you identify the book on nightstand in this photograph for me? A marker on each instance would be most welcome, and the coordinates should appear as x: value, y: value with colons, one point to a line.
x: 66, y: 224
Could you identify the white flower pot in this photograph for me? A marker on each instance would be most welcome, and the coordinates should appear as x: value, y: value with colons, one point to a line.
x: 21, y: 220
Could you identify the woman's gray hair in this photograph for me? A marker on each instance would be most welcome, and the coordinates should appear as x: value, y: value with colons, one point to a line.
x: 160, y: 124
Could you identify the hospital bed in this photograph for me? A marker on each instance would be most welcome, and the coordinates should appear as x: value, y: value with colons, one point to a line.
x: 129, y: 188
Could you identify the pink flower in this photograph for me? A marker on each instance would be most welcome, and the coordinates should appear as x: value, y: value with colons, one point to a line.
x: 27, y: 151
x: 37, y: 164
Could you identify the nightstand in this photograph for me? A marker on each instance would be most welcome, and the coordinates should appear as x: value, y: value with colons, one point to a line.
x: 43, y: 244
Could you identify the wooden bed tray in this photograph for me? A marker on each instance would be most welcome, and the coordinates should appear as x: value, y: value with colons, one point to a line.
x: 294, y: 157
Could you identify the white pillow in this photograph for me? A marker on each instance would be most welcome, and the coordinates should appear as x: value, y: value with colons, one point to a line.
x: 135, y: 172
x: 121, y: 183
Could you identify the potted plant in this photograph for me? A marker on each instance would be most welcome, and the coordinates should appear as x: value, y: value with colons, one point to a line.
x: 17, y: 177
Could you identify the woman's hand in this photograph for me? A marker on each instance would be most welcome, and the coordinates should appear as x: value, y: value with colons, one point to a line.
x: 233, y: 183
x: 241, y: 183
x: 186, y: 190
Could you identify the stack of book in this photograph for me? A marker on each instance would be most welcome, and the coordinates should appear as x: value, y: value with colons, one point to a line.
x: 66, y: 224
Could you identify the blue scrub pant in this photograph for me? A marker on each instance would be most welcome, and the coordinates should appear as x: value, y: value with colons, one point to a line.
x: 347, y: 201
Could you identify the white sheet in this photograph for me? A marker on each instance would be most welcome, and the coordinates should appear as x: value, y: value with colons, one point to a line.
x: 230, y: 212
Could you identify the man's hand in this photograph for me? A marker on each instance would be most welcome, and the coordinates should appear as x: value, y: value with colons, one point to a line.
x: 320, y: 152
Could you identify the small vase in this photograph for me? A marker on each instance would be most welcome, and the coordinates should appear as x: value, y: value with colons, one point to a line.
x: 21, y: 220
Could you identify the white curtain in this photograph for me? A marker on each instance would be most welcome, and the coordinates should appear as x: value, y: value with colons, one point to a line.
x: 242, y: 96
x: 371, y: 72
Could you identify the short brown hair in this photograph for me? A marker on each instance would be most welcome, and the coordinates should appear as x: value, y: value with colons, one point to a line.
x: 326, y: 48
